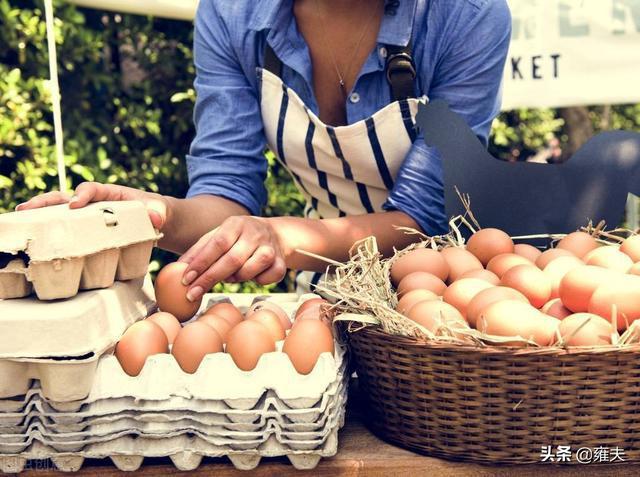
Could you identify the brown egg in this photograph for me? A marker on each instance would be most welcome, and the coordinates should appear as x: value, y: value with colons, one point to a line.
x: 578, y: 285
x: 169, y: 324
x: 411, y: 298
x: 550, y: 255
x: 435, y: 314
x: 171, y: 294
x: 247, y: 342
x: 585, y: 329
x: 306, y: 342
x: 419, y: 260
x: 507, y: 318
x: 556, y: 309
x: 274, y: 307
x: 193, y: 343
x: 315, y: 303
x: 317, y: 313
x: 271, y: 321
x: 489, y: 296
x: 546, y: 333
x: 485, y: 275
x: 141, y: 340
x: 227, y: 311
x: 512, y: 318
x: 631, y: 247
x: 635, y: 269
x: 421, y: 281
x: 460, y: 261
x: 460, y: 293
x: 609, y: 257
x: 578, y: 243
x: 617, y: 298
x: 500, y: 264
x: 531, y: 282
x: 527, y: 251
x: 557, y: 269
x: 488, y: 243
x: 218, y: 323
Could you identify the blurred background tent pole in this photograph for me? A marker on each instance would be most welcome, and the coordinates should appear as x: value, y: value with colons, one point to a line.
x: 176, y: 9
x: 54, y: 88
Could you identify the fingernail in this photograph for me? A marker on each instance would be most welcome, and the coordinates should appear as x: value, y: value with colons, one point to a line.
x: 189, y: 278
x: 195, y: 294
x: 73, y: 199
x: 18, y: 206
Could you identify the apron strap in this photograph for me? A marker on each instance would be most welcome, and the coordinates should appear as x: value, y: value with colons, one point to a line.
x: 400, y: 69
x: 271, y: 62
x: 401, y: 72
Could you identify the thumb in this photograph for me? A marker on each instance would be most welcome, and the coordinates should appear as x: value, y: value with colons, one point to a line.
x: 157, y: 212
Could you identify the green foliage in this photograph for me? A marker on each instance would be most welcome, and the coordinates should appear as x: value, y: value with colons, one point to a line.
x: 127, y: 100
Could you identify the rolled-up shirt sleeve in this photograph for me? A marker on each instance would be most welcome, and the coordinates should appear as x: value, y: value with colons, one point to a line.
x: 468, y: 78
x: 226, y: 156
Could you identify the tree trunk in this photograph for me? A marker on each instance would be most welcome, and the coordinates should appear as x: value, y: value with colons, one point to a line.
x: 577, y: 127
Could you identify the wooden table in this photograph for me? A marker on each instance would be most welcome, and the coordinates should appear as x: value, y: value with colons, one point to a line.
x: 360, y: 453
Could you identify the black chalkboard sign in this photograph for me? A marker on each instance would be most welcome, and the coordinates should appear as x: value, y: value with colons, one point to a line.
x: 529, y: 198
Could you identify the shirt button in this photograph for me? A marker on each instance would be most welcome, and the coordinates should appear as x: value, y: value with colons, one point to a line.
x: 383, y: 52
x: 354, y: 98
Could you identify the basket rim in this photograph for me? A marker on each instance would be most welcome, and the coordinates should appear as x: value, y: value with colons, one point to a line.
x: 410, y: 342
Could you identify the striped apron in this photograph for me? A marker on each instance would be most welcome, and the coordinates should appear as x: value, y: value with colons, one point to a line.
x: 340, y: 171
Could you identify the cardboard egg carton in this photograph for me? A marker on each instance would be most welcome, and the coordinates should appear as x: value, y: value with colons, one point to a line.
x: 56, y: 251
x: 59, y: 343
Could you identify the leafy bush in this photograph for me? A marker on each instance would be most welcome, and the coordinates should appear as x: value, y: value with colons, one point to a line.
x: 127, y: 99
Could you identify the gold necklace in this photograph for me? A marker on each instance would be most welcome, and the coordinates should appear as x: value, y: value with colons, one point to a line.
x: 341, y: 77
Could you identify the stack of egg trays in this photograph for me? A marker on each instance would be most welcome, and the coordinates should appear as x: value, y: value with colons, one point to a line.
x: 60, y: 343
x: 127, y: 429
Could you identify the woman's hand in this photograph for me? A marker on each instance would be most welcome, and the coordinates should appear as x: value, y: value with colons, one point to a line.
x: 241, y: 248
x: 95, y: 192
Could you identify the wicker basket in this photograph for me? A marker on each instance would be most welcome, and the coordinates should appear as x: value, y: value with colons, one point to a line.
x: 498, y: 405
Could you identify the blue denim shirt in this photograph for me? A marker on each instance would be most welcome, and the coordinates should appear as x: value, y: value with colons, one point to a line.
x: 459, y: 47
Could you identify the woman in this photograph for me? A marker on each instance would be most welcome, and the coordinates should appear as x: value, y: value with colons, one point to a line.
x: 331, y: 86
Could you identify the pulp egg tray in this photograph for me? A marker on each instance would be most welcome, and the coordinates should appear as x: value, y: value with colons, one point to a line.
x: 15, y: 413
x: 75, y: 441
x: 186, y: 448
x: 56, y: 251
x: 162, y: 378
x: 60, y: 343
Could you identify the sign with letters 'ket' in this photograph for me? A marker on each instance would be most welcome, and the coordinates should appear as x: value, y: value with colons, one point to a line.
x: 524, y: 198
x: 573, y: 52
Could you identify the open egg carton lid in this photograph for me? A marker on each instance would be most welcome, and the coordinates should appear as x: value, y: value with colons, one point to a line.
x: 105, y: 413
x: 55, y: 251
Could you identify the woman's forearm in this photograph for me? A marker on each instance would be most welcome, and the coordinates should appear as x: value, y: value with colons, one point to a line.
x: 332, y: 238
x: 189, y: 219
